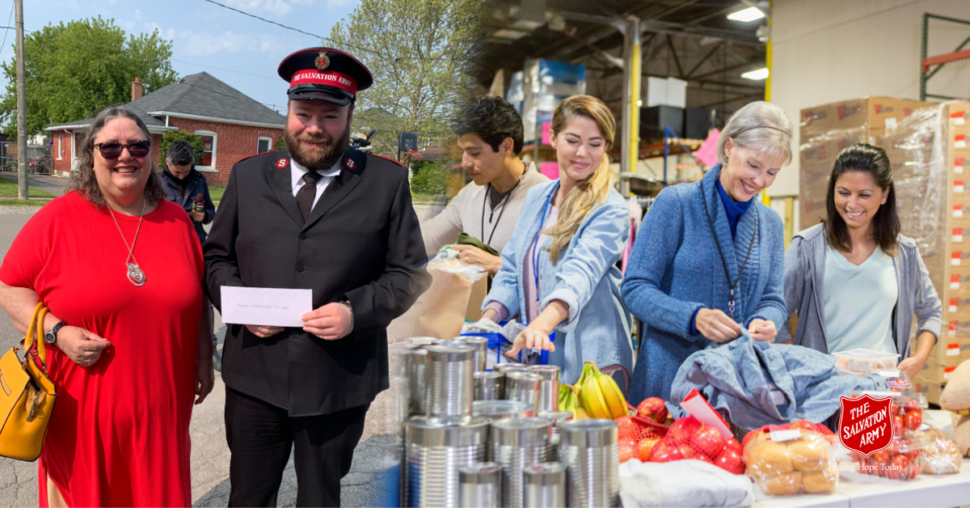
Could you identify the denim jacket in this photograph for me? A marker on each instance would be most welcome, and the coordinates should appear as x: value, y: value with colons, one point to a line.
x: 585, y: 278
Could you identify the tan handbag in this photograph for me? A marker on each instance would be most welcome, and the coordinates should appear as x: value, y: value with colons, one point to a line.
x: 27, y: 395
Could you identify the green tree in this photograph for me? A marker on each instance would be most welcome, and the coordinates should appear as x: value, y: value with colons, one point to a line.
x: 194, y: 139
x: 429, y: 178
x: 421, y: 53
x: 74, y: 70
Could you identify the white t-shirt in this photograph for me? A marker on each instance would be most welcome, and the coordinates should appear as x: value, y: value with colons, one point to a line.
x: 859, y: 302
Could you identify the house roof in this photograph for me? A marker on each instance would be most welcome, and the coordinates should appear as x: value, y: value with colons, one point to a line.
x: 199, y: 96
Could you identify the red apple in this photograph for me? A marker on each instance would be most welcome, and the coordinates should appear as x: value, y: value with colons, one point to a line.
x: 687, y: 452
x: 645, y: 447
x: 653, y: 408
x: 730, y: 461
x: 709, y: 441
x: 628, y: 430
x: 628, y: 451
x: 681, y: 431
x: 733, y: 444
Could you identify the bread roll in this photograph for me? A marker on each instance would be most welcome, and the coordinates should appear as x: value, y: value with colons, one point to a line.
x: 768, y: 459
x: 783, y: 484
x: 810, y: 453
x: 817, y: 482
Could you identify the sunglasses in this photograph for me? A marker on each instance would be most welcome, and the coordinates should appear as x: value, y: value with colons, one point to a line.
x: 113, y: 150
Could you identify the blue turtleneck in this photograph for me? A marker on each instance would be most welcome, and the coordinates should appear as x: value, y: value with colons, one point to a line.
x: 734, y: 209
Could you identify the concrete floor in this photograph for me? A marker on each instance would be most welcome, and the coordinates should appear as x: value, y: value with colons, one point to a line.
x: 371, y: 480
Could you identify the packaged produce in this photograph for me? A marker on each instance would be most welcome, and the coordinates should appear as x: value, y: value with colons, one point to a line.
x: 862, y: 362
x: 687, y: 438
x: 898, y: 381
x: 899, y: 461
x: 939, y: 454
x: 793, y: 458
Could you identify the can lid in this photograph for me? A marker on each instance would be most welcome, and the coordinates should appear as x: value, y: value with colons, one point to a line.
x: 523, y: 380
x: 488, y: 375
x: 511, y: 367
x: 556, y: 416
x: 588, y: 433
x: 479, y: 473
x: 450, y: 353
x: 548, y: 372
x: 423, y: 341
x: 472, y: 339
x: 545, y: 473
x: 454, y: 431
x: 501, y: 408
x: 525, y: 432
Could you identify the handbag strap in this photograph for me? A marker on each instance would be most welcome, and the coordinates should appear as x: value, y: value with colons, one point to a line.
x: 34, y: 331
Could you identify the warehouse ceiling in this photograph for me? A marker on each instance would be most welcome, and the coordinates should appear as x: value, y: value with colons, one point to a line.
x: 689, y: 39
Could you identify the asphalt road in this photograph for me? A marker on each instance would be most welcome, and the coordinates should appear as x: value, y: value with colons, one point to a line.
x: 372, y: 475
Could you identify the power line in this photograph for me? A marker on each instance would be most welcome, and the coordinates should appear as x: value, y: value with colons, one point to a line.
x: 8, y: 27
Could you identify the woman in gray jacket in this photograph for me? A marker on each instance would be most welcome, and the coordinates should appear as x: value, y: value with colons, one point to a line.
x: 854, y: 281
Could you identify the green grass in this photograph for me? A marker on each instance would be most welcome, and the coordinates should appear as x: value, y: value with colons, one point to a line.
x: 24, y: 202
x: 8, y: 189
x: 216, y: 192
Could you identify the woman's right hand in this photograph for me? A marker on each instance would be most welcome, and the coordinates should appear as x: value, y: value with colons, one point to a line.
x: 491, y: 315
x: 80, y: 345
x: 716, y: 325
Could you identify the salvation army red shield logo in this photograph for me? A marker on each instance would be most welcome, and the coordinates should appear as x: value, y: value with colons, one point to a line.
x: 350, y: 163
x: 282, y: 163
x: 866, y: 423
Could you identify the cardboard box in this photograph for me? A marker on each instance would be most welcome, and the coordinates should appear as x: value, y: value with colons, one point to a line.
x: 930, y: 390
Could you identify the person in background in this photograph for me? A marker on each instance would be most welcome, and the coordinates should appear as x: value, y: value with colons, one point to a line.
x: 490, y: 138
x: 120, y: 269
x: 186, y: 187
x: 709, y: 258
x: 559, y: 271
x: 855, y: 281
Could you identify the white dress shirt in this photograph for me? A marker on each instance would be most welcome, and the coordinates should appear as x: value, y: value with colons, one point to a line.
x: 296, y: 174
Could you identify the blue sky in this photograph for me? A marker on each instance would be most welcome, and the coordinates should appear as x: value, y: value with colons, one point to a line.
x: 239, y: 50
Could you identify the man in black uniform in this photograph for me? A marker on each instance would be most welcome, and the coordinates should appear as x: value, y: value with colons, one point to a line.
x: 319, y: 216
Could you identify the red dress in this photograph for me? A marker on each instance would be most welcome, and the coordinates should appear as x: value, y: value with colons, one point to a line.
x: 119, y: 433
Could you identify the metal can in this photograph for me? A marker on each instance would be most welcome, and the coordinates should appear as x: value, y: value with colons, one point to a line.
x: 517, y: 443
x: 588, y: 448
x: 450, y: 380
x: 481, y: 350
x: 545, y: 485
x: 436, y: 450
x: 557, y: 417
x: 525, y: 387
x: 549, y: 398
x: 480, y: 485
x: 506, y: 368
x: 489, y: 385
x: 416, y: 361
x: 499, y: 409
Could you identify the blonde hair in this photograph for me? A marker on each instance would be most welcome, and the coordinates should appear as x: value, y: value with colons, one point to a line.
x: 591, y: 191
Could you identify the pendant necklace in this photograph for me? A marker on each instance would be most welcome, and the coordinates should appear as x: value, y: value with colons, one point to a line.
x: 135, y: 273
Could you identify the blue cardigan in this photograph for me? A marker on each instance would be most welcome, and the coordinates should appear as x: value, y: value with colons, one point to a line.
x: 585, y: 278
x: 675, y: 270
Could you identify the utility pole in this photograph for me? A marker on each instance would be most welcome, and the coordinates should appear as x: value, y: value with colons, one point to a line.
x: 21, y: 106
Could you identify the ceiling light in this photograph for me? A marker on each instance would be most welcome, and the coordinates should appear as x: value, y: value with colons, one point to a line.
x: 756, y: 75
x: 749, y: 14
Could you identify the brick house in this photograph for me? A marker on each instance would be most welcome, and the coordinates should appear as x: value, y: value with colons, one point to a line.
x: 232, y: 125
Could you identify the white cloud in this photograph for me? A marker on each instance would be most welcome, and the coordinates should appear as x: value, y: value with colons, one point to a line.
x: 273, y: 8
x: 208, y: 43
x: 138, y: 14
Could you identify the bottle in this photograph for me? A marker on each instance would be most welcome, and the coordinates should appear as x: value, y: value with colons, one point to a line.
x: 199, y: 204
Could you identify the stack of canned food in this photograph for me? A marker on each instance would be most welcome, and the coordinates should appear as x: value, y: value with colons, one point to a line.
x: 477, y: 438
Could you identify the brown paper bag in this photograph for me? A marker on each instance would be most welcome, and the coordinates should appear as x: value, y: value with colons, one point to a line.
x: 478, y: 293
x: 441, y: 309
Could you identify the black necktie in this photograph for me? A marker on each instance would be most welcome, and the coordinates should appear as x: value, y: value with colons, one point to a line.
x: 307, y: 193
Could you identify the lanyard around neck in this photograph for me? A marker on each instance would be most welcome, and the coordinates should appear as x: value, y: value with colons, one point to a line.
x: 508, y: 197
x: 536, y: 248
x: 731, y: 286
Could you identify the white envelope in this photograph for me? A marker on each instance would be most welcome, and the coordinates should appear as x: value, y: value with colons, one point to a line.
x: 265, y: 306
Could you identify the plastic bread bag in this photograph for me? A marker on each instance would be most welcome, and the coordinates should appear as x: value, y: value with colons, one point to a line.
x: 790, y: 459
x: 447, y: 261
x: 939, y: 454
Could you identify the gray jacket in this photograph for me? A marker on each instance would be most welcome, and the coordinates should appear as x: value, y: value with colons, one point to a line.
x: 804, y: 276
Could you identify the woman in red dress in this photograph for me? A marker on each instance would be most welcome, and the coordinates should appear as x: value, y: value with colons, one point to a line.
x: 120, y: 269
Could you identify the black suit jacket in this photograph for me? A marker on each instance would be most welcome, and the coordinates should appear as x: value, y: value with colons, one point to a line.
x: 361, y: 242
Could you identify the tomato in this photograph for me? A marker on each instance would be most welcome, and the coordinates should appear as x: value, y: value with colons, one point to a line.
x: 708, y: 441
x: 914, y: 470
x: 898, y: 425
x: 645, y: 446
x: 882, y: 457
x: 913, y: 455
x: 653, y: 408
x: 730, y: 461
x: 913, y: 420
x: 912, y: 405
x: 682, y: 430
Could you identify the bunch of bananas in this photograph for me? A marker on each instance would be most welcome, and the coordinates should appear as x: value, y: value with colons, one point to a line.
x: 598, y: 394
x: 569, y: 401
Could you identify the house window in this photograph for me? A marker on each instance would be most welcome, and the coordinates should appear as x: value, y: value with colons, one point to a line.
x: 60, y: 147
x: 264, y: 145
x: 209, y: 140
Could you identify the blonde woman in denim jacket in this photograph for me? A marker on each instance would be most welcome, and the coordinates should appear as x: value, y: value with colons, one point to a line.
x: 559, y: 271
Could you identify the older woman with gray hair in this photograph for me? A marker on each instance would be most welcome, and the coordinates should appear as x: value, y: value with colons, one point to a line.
x: 120, y: 269
x: 709, y: 258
